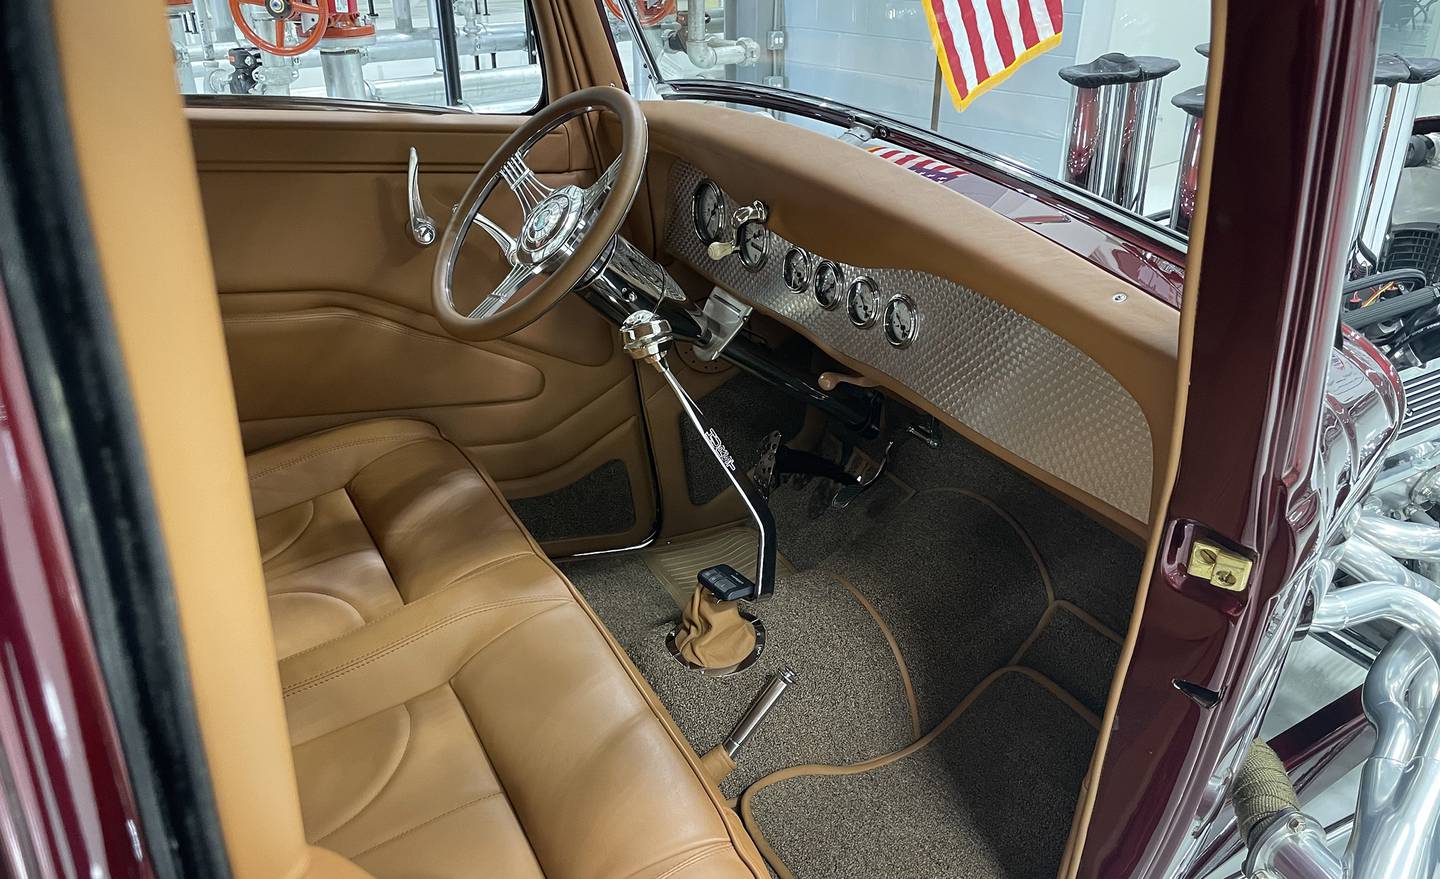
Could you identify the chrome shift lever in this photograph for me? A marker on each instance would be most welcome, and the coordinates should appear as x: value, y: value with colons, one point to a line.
x: 645, y: 337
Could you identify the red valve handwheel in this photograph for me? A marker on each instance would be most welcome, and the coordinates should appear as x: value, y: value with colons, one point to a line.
x: 645, y: 13
x: 282, y: 11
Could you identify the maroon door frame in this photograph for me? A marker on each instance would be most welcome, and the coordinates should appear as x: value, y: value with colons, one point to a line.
x: 1288, y: 127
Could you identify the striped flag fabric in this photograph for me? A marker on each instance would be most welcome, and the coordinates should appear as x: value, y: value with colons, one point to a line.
x: 922, y: 165
x: 981, y: 42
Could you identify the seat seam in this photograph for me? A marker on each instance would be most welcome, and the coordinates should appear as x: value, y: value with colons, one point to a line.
x: 394, y: 773
x: 414, y: 437
x: 698, y: 853
x: 380, y: 653
x: 304, y: 529
x: 409, y: 830
x: 404, y: 605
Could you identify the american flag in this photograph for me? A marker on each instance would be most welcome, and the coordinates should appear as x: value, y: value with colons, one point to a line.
x: 981, y: 42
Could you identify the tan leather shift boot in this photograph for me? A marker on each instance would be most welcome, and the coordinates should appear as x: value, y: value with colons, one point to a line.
x: 712, y: 634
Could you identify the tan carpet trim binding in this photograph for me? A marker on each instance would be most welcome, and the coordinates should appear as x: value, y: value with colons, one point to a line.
x: 753, y: 827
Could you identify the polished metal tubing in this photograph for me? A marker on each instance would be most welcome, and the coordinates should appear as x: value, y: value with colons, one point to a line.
x: 1399, y: 802
x: 764, y: 701
x: 481, y: 87
x: 1406, y: 540
x: 1187, y: 181
x: 1080, y: 163
x: 344, y: 74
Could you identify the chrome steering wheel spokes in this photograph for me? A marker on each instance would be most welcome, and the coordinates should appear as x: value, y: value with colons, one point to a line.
x: 564, y: 231
x: 552, y: 223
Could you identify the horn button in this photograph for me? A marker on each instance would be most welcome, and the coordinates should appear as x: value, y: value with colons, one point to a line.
x: 550, y: 226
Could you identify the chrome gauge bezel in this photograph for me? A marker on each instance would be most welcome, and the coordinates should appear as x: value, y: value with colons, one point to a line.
x: 914, y: 320
x: 806, y: 269
x: 697, y: 215
x: 863, y: 286
x: 839, y: 284
x: 764, y: 231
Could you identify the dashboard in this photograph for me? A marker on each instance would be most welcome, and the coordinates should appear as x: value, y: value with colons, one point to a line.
x: 965, y: 356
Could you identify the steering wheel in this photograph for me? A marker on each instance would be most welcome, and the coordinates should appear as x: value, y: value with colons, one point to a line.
x: 282, y: 11
x: 563, y: 232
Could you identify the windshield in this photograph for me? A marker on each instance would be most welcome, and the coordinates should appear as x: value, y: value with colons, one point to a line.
x: 996, y: 75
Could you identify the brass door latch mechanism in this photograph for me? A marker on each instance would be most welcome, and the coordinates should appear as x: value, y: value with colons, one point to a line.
x: 1223, y: 568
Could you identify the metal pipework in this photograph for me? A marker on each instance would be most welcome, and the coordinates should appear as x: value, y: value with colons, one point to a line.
x: 1111, y: 128
x: 1406, y: 540
x: 1187, y: 180
x: 759, y: 708
x: 1393, y: 100
x: 494, y: 86
x: 1399, y: 802
x: 707, y: 52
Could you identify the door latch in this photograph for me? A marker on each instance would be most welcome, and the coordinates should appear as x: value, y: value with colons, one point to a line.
x: 421, y: 227
x: 1223, y: 568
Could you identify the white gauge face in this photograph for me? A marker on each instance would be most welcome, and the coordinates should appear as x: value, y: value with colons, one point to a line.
x: 752, y: 240
x: 828, y: 278
x: 797, y: 270
x: 863, y: 303
x: 902, y: 321
x: 709, y: 212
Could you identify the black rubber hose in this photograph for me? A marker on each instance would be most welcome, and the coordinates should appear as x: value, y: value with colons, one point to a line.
x: 1262, y: 790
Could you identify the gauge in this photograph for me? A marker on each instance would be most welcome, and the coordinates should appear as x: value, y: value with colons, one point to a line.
x: 863, y: 303
x: 902, y: 320
x: 709, y: 212
x: 752, y: 240
x: 797, y: 270
x: 828, y: 278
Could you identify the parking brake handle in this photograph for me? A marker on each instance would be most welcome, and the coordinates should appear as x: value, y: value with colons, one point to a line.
x: 645, y: 337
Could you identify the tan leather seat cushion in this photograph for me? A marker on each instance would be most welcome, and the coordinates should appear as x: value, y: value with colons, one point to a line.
x: 455, y: 709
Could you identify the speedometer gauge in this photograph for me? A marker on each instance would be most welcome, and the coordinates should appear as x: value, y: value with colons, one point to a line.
x: 902, y: 320
x: 709, y: 212
x: 752, y: 240
x: 828, y: 278
x: 863, y: 303
x: 797, y: 270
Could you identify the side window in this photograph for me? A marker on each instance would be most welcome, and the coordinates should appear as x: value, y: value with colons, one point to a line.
x: 479, y: 55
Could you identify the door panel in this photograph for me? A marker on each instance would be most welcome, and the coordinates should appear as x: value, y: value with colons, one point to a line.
x: 326, y: 302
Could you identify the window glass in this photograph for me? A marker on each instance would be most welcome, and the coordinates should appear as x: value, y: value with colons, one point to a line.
x: 881, y: 56
x: 391, y: 51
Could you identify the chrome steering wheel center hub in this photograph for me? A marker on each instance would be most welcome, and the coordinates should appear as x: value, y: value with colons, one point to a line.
x: 550, y: 225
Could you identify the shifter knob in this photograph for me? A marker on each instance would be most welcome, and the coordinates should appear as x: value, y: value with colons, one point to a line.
x: 644, y: 336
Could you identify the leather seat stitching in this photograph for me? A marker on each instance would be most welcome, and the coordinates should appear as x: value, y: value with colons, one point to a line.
x: 309, y: 520
x: 496, y: 563
x: 445, y: 814
x: 414, y: 437
x: 375, y: 655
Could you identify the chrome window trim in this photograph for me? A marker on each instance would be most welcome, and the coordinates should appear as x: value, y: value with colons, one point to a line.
x: 900, y: 133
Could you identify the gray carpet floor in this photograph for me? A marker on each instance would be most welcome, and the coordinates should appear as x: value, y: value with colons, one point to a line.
x: 962, y: 593
x: 991, y: 796
x: 847, y: 705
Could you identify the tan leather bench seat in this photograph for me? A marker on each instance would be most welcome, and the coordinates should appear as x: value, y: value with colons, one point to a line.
x: 454, y: 707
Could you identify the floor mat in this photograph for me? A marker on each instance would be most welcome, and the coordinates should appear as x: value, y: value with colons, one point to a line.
x: 848, y: 704
x: 990, y: 793
x: 676, y: 565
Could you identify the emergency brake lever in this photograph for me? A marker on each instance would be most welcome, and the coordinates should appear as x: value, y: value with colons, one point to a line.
x: 421, y: 227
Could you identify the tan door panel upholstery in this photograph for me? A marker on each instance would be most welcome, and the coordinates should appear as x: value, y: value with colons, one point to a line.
x: 327, y: 301
x: 451, y: 700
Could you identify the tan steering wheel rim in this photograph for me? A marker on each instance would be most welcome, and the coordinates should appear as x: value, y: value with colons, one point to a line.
x: 581, y: 249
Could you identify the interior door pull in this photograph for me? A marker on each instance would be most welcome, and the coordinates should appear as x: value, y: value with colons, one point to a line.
x: 422, y: 228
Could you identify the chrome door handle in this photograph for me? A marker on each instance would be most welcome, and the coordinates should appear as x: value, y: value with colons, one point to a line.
x: 422, y: 228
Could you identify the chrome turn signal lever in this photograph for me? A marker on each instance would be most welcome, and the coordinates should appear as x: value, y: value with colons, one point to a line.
x: 645, y: 336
